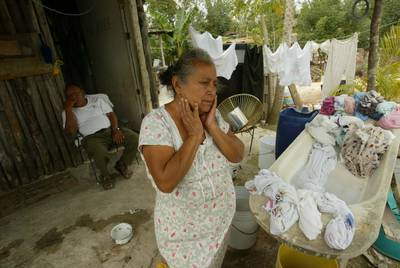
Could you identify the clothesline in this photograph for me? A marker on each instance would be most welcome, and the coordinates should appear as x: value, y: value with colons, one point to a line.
x: 350, y: 35
x: 64, y: 13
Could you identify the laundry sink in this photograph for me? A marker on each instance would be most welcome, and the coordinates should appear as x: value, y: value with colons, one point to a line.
x: 366, y: 198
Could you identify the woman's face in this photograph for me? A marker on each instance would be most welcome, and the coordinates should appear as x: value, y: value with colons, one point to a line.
x: 200, y: 87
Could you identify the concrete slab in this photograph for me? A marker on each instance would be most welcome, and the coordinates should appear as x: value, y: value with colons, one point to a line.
x: 72, y: 229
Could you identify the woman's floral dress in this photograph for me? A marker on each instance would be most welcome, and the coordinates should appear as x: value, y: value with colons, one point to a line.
x: 191, y: 222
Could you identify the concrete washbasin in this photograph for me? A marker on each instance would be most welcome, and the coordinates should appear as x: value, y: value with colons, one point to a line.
x: 366, y: 198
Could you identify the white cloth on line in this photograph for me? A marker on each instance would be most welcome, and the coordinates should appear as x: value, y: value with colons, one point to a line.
x: 272, y: 60
x: 303, y: 68
x: 225, y: 61
x: 324, y: 46
x: 340, y: 230
x: 288, y: 65
x: 291, y: 63
x: 207, y: 42
x: 295, y: 65
x: 341, y: 62
x: 321, y: 162
x: 310, y: 217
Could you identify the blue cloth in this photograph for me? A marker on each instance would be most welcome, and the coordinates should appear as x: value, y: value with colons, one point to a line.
x: 357, y: 97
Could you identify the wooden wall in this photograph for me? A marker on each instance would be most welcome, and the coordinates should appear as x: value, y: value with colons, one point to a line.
x: 32, y: 141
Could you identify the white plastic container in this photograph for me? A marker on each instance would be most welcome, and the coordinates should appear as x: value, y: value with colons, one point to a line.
x: 243, y: 232
x: 122, y: 233
x: 266, y: 155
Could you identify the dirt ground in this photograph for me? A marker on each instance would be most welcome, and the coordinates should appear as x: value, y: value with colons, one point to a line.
x: 72, y: 228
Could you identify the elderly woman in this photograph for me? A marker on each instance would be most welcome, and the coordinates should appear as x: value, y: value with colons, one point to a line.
x: 187, y: 147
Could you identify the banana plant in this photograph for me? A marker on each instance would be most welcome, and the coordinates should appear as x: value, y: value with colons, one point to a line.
x: 388, y: 73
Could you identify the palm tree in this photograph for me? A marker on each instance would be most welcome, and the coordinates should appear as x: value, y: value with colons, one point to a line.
x: 388, y: 72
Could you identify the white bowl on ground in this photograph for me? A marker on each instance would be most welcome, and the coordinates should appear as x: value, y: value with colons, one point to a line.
x: 122, y: 233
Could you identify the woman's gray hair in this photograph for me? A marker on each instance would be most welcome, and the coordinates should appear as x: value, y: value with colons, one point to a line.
x: 184, y: 66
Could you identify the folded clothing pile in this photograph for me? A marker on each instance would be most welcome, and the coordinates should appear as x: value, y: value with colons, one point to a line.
x: 361, y: 147
x: 391, y: 119
x: 364, y: 105
x: 286, y: 206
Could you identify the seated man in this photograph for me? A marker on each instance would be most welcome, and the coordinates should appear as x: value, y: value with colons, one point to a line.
x: 95, y: 120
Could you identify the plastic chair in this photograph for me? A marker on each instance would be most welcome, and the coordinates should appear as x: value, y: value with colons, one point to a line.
x: 113, y: 149
x: 251, y: 107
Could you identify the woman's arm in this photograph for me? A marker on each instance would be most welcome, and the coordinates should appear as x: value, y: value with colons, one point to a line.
x: 168, y: 167
x: 229, y: 145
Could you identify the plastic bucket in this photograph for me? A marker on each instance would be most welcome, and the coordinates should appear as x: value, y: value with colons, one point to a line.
x: 291, y: 123
x: 266, y: 155
x: 290, y: 258
x: 243, y: 233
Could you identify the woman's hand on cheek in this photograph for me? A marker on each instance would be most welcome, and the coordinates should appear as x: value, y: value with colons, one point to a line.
x: 191, y: 119
x: 210, y: 120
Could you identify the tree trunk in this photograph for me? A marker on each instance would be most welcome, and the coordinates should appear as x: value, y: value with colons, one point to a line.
x: 287, y: 37
x: 295, y: 96
x: 288, y: 22
x: 265, y: 30
x: 373, y: 56
x: 277, y: 106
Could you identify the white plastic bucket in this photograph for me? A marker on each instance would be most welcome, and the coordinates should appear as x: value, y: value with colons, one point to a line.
x: 266, y: 156
x: 243, y: 233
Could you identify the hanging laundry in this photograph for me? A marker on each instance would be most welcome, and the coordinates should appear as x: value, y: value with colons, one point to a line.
x: 253, y: 72
x: 324, y: 46
x: 291, y: 64
x: 341, y: 61
x: 273, y: 60
x: 302, y: 74
x: 288, y: 67
x: 310, y: 217
x: 207, y: 42
x: 314, y: 175
x: 391, y: 120
x: 339, y: 231
x: 363, y: 149
x: 225, y: 61
x: 328, y: 106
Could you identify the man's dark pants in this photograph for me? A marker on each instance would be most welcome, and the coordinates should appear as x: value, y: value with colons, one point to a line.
x: 97, y: 146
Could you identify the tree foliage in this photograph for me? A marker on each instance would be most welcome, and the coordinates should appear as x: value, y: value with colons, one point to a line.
x: 391, y: 13
x: 325, y: 19
x: 249, y: 13
x: 218, y: 20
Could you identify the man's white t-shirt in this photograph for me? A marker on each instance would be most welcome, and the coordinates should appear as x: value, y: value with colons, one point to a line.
x: 91, y: 117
